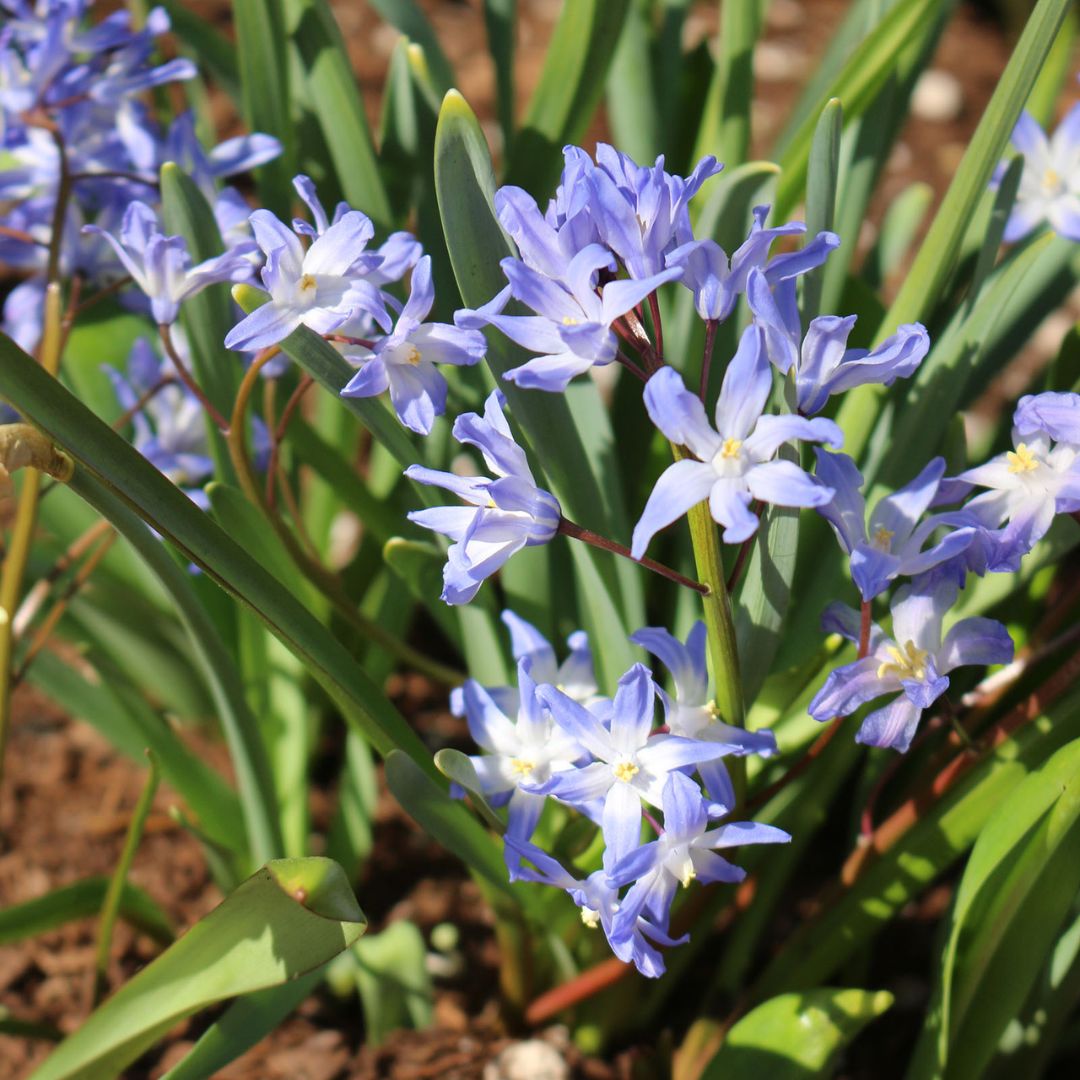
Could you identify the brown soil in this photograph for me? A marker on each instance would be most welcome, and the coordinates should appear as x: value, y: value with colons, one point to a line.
x: 66, y: 795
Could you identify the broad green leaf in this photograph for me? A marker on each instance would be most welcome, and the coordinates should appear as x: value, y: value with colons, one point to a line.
x: 78, y: 901
x: 447, y: 821
x: 465, y: 183
x: 392, y: 978
x: 995, y: 229
x: 115, y: 478
x: 822, y: 180
x: 287, y: 919
x: 408, y: 18
x: 244, y: 1023
x: 936, y: 260
x: 943, y: 833
x: 856, y: 85
x: 1025, y: 861
x: 330, y: 86
x: 724, y: 130
x: 796, y: 1036
x: 1056, y: 69
x: 264, y: 92
x: 569, y: 89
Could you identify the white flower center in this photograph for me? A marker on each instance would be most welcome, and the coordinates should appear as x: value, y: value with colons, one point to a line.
x: 730, y: 460
x: 883, y: 539
x: 625, y: 770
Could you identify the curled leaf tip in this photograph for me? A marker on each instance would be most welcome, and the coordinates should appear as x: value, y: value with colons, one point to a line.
x: 22, y: 445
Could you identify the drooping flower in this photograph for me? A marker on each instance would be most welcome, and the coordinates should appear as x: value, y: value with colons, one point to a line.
x: 598, y: 899
x: 685, y: 851
x: 505, y: 515
x: 692, y: 714
x: 891, y: 543
x: 1054, y: 413
x: 571, y: 330
x: 521, y: 752
x: 404, y: 361
x: 1050, y: 183
x: 631, y: 763
x: 320, y: 287
x: 161, y: 265
x: 823, y: 363
x: 717, y: 281
x: 913, y: 664
x: 734, y: 463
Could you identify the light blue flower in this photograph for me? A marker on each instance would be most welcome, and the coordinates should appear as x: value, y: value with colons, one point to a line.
x: 733, y: 462
x: 598, y: 900
x: 320, y: 287
x: 823, y: 363
x: 1050, y: 183
x: 1057, y: 414
x: 161, y: 265
x: 404, y: 361
x: 571, y: 331
x: 631, y: 762
x: 685, y: 851
x: 891, y: 544
x: 717, y: 281
x: 913, y: 664
x: 691, y: 712
x: 505, y: 515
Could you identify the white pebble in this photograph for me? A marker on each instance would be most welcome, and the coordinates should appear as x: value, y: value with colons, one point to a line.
x: 529, y: 1060
x: 937, y: 96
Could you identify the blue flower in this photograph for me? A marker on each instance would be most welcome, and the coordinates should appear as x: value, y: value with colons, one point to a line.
x: 913, y: 664
x: 1055, y: 413
x: 717, y: 281
x: 642, y: 212
x: 520, y: 753
x: 161, y: 265
x: 685, y: 851
x: 404, y: 361
x: 692, y: 714
x: 506, y: 514
x: 1050, y: 183
x: 598, y: 899
x: 631, y: 763
x: 734, y: 462
x: 891, y: 544
x: 571, y: 331
x: 320, y: 287
x: 823, y: 363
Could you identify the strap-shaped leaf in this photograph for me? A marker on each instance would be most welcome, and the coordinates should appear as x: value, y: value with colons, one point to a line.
x: 407, y: 17
x: 567, y: 94
x: 287, y: 919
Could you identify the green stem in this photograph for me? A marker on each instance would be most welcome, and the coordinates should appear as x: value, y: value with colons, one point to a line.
x: 111, y: 906
x: 720, y: 625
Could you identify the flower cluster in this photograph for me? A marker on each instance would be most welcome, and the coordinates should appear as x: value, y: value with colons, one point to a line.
x: 554, y: 739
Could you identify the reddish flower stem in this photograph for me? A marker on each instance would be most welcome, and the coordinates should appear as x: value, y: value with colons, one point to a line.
x: 706, y: 359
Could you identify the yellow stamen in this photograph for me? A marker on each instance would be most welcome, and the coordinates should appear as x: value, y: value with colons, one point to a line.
x: 590, y: 918
x: 909, y: 663
x: 626, y: 771
x: 1051, y: 179
x: 522, y: 766
x: 307, y: 282
x: 883, y: 538
x: 731, y: 448
x: 1022, y: 460
x: 569, y: 320
x: 413, y: 357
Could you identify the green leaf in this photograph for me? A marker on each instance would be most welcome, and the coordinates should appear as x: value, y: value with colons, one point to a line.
x: 214, y: 52
x: 500, y: 18
x: 245, y: 1022
x: 568, y: 91
x: 796, y: 1036
x: 78, y: 901
x: 287, y: 919
x: 821, y: 183
x: 631, y: 100
x: 392, y: 978
x: 457, y: 767
x: 1019, y: 884
x: 330, y: 86
x: 447, y: 821
x: 937, y: 257
x: 114, y: 477
x: 899, y: 228
x: 856, y: 85
x: 264, y: 92
x: 407, y: 17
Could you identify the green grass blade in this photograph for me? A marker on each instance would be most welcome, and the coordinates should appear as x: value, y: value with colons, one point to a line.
x: 569, y: 89
x: 500, y: 18
x: 822, y: 179
x: 407, y: 17
x: 78, y: 901
x: 330, y: 86
x: 632, y: 99
x: 214, y: 53
x: 286, y: 920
